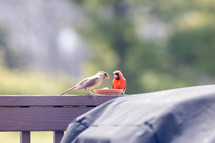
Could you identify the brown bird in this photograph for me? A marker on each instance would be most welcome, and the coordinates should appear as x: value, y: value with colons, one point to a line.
x: 119, y: 82
x: 90, y: 82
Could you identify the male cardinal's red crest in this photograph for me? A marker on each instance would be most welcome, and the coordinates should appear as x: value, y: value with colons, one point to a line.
x: 119, y: 82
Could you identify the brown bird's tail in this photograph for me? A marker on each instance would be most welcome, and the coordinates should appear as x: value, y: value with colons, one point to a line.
x: 68, y: 90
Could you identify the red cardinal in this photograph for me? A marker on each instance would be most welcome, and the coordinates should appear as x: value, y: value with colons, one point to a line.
x: 119, y: 81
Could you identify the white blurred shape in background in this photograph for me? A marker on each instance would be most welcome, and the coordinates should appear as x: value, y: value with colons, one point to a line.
x: 39, y: 29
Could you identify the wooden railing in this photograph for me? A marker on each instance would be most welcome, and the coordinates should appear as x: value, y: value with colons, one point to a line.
x: 26, y: 113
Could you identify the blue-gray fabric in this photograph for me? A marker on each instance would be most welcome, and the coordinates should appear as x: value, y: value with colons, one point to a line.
x: 185, y: 115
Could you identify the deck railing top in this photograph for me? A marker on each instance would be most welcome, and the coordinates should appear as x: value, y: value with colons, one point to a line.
x: 54, y: 100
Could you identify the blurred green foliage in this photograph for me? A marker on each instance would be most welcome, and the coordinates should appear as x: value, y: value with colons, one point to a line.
x: 194, y: 48
x: 181, y: 59
x: 30, y: 83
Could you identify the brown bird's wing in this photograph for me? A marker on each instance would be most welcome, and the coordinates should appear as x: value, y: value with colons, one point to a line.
x: 89, y: 82
x: 81, y: 83
x: 75, y: 87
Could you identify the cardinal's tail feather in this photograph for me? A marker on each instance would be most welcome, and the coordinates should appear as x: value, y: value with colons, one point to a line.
x: 68, y: 90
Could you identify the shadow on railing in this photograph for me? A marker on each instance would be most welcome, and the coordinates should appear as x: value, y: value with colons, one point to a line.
x: 26, y: 113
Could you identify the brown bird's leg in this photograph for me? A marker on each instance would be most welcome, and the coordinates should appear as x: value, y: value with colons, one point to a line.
x: 89, y: 92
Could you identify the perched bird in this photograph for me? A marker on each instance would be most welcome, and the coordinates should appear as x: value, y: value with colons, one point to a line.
x: 119, y: 82
x: 90, y: 82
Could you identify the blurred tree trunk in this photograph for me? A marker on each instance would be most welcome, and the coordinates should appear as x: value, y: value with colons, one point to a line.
x: 120, y: 45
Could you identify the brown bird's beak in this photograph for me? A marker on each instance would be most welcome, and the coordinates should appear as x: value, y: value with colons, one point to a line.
x: 107, y: 77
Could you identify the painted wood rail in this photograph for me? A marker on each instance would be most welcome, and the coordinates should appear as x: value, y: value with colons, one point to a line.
x: 26, y: 113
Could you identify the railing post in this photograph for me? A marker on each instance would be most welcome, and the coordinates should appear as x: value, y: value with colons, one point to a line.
x: 58, y: 136
x: 25, y: 137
